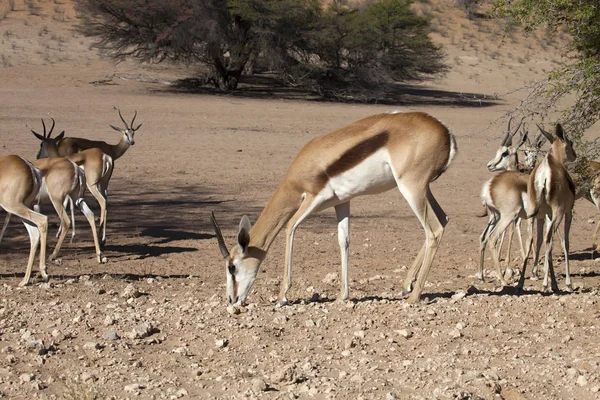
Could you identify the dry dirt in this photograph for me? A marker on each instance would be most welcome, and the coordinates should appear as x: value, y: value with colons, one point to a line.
x: 152, y: 322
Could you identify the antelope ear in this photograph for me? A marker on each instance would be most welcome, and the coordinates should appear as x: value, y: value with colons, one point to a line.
x: 546, y: 134
x: 560, y: 132
x: 60, y: 136
x: 115, y: 128
x: 244, y: 234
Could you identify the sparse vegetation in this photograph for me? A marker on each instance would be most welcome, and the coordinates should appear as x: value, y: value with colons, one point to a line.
x: 33, y: 8
x: 336, y: 47
x: 571, y: 92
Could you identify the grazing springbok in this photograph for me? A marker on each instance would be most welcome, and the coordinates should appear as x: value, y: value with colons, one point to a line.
x: 71, y: 145
x: 551, y: 193
x: 96, y: 165
x: 20, y: 184
x: 372, y: 155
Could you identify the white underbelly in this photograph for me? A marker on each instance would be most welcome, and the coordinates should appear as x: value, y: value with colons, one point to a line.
x: 373, y: 175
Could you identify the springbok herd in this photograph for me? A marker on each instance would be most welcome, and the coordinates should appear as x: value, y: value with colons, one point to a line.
x: 377, y: 153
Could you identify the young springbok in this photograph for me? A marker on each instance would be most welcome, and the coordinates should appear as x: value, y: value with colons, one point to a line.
x: 551, y: 193
x: 591, y: 192
x: 372, y: 155
x: 506, y: 159
x: 71, y: 145
x: 96, y: 165
x: 20, y: 184
x: 502, y: 196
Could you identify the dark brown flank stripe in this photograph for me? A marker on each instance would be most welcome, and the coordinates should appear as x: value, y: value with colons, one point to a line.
x: 354, y: 156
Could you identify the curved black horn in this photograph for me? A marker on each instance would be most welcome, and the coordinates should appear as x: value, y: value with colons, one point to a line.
x: 122, y: 119
x: 52, y: 128
x: 44, y: 125
x: 220, y: 240
x: 133, y: 120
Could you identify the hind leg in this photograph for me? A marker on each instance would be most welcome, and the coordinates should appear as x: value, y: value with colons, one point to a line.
x: 89, y: 215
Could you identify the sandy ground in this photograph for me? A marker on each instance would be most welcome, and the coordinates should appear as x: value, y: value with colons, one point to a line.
x: 152, y: 322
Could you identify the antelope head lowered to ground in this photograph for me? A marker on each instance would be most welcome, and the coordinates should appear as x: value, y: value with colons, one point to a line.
x: 372, y: 155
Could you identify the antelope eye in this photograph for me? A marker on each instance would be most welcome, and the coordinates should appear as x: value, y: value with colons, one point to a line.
x: 505, y: 154
x: 231, y: 269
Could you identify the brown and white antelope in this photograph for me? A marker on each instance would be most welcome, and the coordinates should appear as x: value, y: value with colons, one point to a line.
x: 96, y: 165
x: 71, y: 145
x: 20, y: 184
x: 498, y: 201
x: 551, y: 193
x: 372, y: 155
x: 591, y: 192
x: 502, y: 196
x: 62, y: 178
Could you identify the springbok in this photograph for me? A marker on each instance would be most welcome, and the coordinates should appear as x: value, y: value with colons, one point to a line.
x: 96, y: 165
x: 372, y: 155
x: 591, y: 192
x: 551, y: 193
x: 20, y: 184
x: 502, y: 196
x: 506, y: 159
x: 62, y: 178
x: 71, y: 145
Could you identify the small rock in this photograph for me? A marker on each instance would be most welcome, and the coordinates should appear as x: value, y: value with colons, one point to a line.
x: 220, y: 343
x: 458, y: 296
x: 405, y: 333
x: 360, y: 334
x: 133, y: 387
x: 109, y: 320
x: 258, y: 385
x: 111, y: 335
x: 37, y: 346
x: 87, y: 377
x: 309, y: 323
x: 181, y: 392
x: 455, y: 333
x: 91, y: 346
x: 582, y: 381
x: 24, y: 378
x: 141, y: 331
x: 391, y: 396
x: 131, y: 292
x: 287, y: 374
x: 331, y: 278
x: 233, y: 310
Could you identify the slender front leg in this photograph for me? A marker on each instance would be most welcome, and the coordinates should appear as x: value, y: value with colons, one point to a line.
x: 308, y: 205
x: 596, y: 244
x: 483, y: 240
x: 89, y: 215
x: 538, y: 247
x: 511, y: 233
x: 565, y: 244
x: 342, y: 213
x: 518, y: 225
x: 529, y: 245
